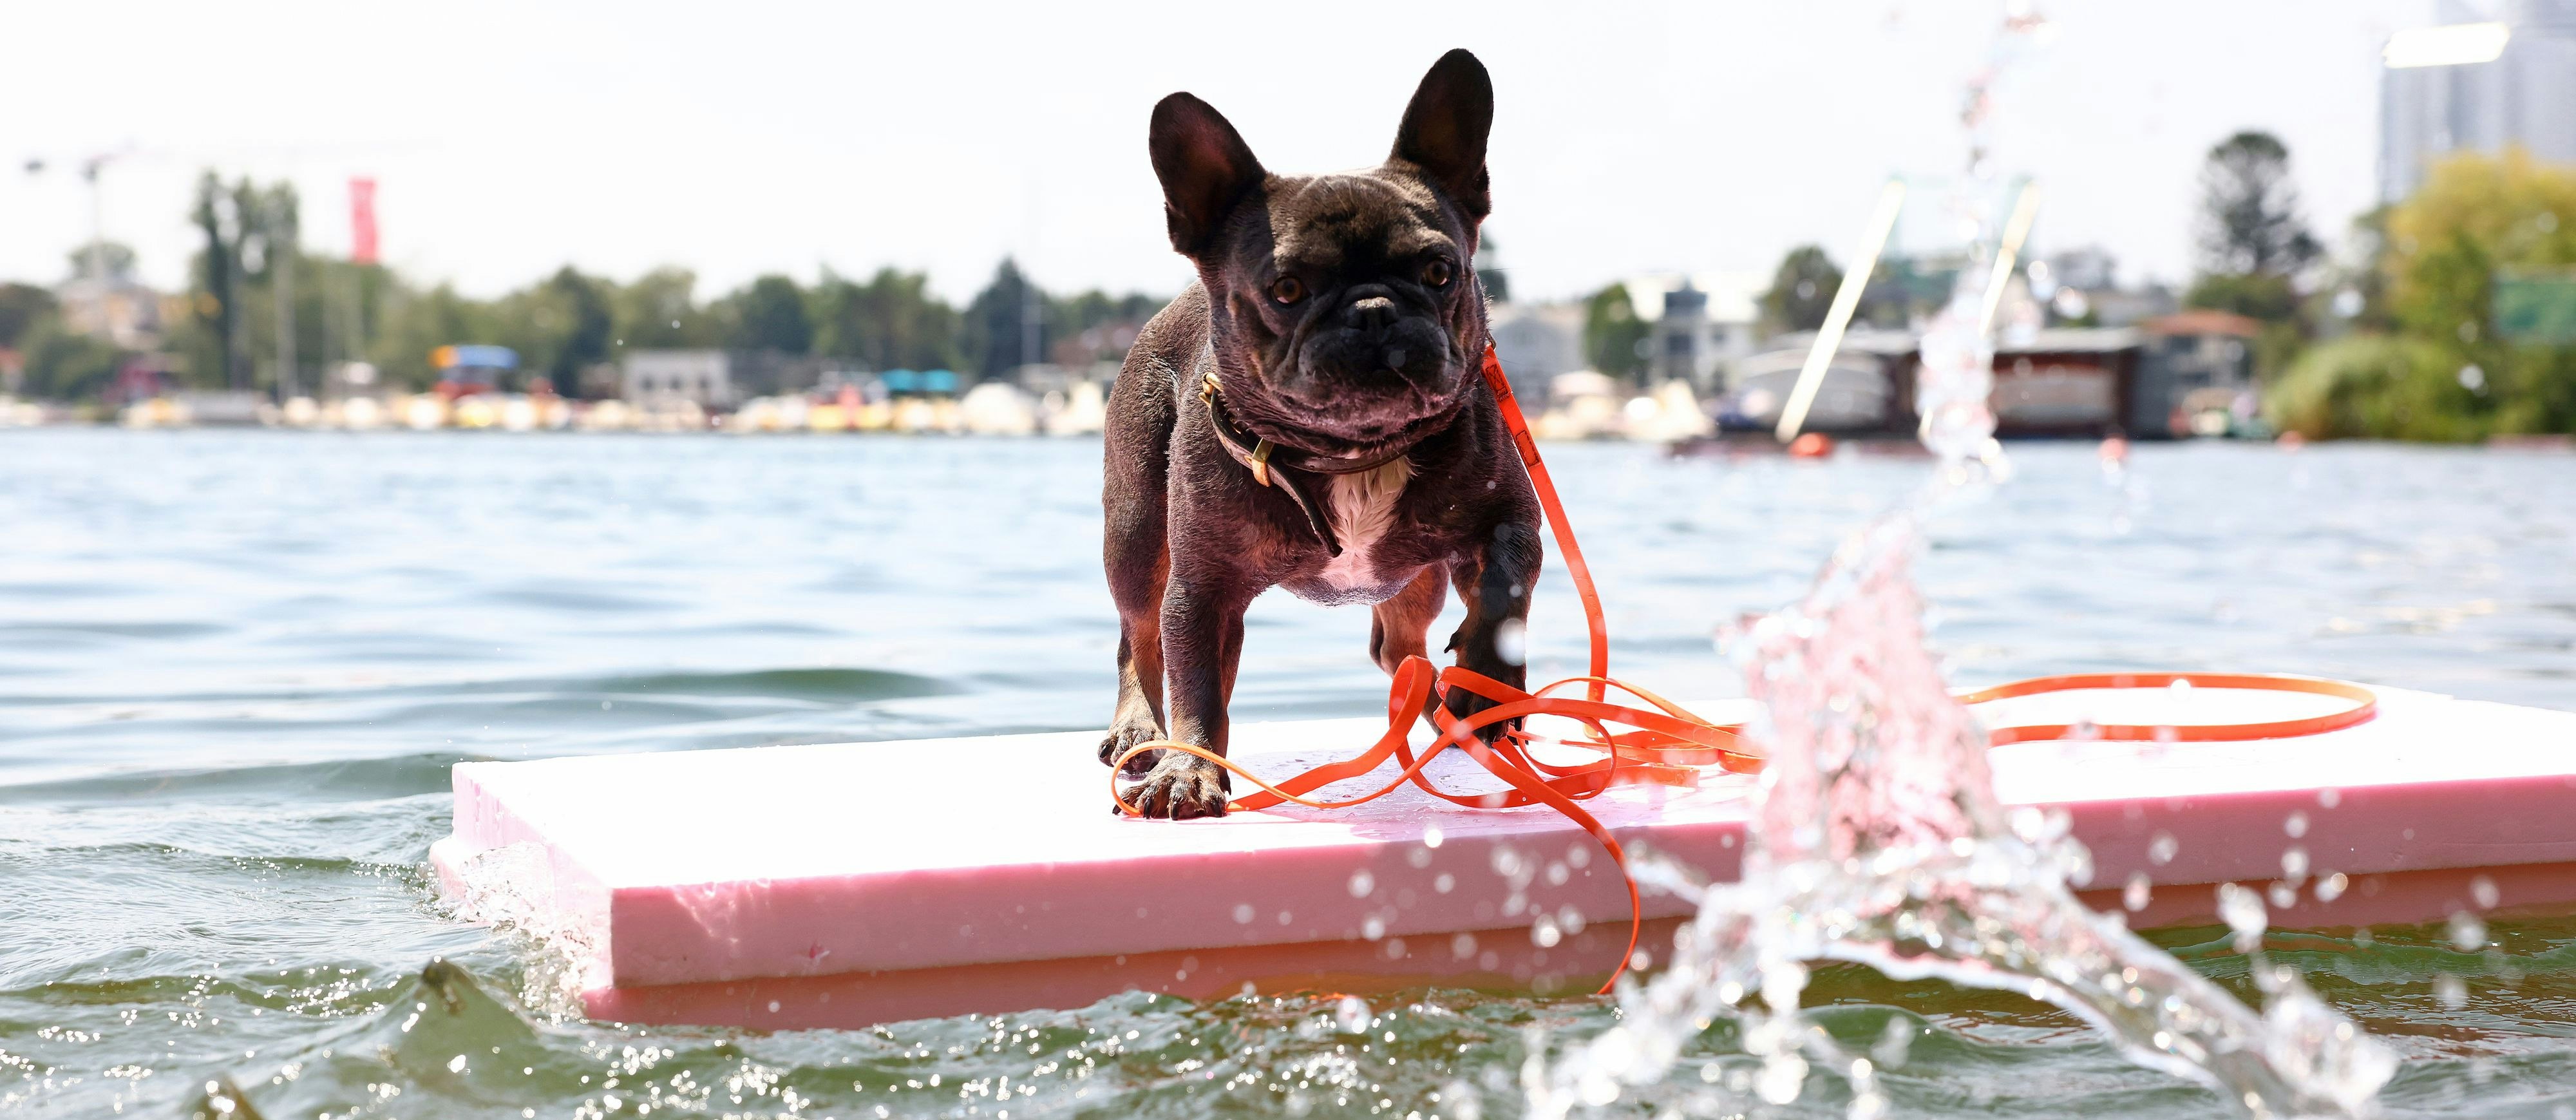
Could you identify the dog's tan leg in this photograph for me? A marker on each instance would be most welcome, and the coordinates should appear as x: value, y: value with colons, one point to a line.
x: 1401, y: 627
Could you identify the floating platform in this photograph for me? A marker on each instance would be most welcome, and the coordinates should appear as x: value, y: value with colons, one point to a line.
x: 849, y: 884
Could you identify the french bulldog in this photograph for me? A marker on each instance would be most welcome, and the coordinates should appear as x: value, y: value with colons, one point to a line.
x: 1310, y: 415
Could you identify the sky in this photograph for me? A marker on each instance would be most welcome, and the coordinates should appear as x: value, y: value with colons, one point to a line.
x: 742, y: 138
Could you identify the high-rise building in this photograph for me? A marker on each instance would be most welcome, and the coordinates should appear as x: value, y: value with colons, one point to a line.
x: 2478, y: 84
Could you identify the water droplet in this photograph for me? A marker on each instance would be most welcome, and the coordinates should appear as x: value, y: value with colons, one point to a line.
x: 2468, y: 934
x: 1362, y: 883
x: 2448, y: 989
x: 1351, y: 1015
x: 2162, y: 848
x: 1431, y: 837
x: 2137, y: 893
x: 2332, y: 887
x: 2294, y: 862
x: 2296, y: 824
x: 1543, y: 932
x: 1243, y: 913
x: 1511, y: 642
x: 2243, y: 912
x: 1784, y: 1076
x: 2483, y: 890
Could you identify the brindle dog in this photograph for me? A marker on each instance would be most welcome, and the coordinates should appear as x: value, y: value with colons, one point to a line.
x: 1310, y: 415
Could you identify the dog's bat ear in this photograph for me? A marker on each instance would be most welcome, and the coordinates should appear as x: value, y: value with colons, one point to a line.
x: 1205, y: 166
x: 1444, y: 131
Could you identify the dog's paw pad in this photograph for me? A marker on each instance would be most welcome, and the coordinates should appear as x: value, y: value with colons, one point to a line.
x: 1183, y: 788
x: 1120, y: 740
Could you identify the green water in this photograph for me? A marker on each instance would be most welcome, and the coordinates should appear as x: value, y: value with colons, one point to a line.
x: 234, y: 668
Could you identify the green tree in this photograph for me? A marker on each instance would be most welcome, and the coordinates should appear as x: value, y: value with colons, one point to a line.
x: 21, y: 306
x: 2249, y: 210
x: 415, y: 323
x: 1612, y: 333
x: 560, y: 327
x: 63, y: 364
x: 771, y: 316
x: 660, y: 311
x: 217, y: 304
x: 892, y: 321
x: 996, y: 336
x: 1802, y: 290
x: 116, y: 257
x: 2475, y: 219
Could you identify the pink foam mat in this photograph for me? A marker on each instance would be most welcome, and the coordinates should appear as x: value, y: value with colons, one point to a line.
x: 850, y: 884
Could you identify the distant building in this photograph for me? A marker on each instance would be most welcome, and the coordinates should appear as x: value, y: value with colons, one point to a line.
x: 2199, y: 364
x: 1858, y: 391
x: 2180, y: 375
x: 1536, y: 342
x: 118, y: 308
x: 667, y: 377
x: 2477, y: 85
x: 1700, y: 326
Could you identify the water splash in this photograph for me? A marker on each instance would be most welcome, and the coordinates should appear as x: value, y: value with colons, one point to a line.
x: 1878, y: 838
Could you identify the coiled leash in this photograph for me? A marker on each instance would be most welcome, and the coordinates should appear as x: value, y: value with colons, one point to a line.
x: 1665, y: 744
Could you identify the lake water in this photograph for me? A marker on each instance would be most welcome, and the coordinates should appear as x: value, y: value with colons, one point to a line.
x: 235, y: 667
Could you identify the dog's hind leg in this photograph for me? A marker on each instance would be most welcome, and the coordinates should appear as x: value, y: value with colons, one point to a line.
x: 1135, y: 549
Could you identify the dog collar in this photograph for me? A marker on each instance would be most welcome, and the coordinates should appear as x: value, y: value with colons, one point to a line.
x: 1274, y: 467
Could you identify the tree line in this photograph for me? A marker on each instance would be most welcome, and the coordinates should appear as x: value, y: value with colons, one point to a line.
x: 2451, y: 315
x: 228, y: 333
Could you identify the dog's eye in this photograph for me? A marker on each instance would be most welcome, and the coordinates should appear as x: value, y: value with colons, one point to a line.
x: 1438, y: 274
x: 1287, y: 290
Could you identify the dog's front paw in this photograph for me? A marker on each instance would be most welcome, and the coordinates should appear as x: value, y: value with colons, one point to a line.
x: 1126, y: 737
x: 1464, y: 705
x: 1180, y: 787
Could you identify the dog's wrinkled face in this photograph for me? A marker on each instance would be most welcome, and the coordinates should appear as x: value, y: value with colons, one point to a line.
x: 1345, y: 308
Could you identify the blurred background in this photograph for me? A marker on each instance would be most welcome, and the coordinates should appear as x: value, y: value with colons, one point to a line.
x: 2340, y: 218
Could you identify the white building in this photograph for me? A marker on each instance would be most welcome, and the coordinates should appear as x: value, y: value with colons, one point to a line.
x: 661, y: 378
x: 1701, y: 325
x: 2477, y: 84
x: 1537, y: 341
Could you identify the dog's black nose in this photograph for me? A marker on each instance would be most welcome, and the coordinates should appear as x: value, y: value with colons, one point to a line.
x: 1374, y: 313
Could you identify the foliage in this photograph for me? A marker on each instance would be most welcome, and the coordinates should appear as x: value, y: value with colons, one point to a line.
x: 21, y: 307
x: 63, y: 364
x: 890, y: 322
x: 770, y: 315
x: 2474, y: 217
x: 997, y: 338
x: 1802, y: 290
x: 116, y: 258
x: 2432, y: 364
x: 2376, y: 386
x: 2250, y: 222
x: 560, y: 327
x: 660, y: 311
x: 1612, y: 333
x: 563, y: 326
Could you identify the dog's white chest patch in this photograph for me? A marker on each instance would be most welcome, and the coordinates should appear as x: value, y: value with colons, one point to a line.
x: 1363, y: 509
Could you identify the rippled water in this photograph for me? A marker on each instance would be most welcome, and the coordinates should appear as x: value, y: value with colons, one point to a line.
x: 234, y: 667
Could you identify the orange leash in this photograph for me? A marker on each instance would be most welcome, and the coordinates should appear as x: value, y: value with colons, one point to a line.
x: 1667, y: 744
